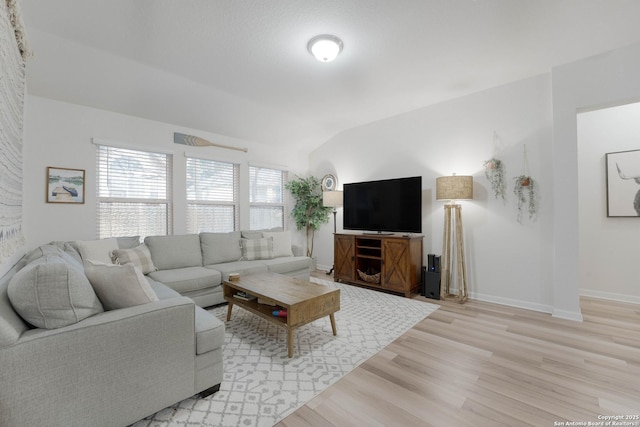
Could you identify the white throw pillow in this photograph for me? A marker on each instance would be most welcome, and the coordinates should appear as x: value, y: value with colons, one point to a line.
x: 119, y: 286
x: 281, y: 243
x: 97, y: 250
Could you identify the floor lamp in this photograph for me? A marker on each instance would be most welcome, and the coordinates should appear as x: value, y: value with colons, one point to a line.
x: 332, y: 199
x: 453, y: 188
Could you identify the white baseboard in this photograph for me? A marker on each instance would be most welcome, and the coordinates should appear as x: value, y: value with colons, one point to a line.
x: 512, y: 302
x: 610, y: 296
x: 566, y: 314
x: 323, y: 267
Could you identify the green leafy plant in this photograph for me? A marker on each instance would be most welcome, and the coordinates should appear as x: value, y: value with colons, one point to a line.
x: 494, y: 171
x: 524, y: 190
x: 308, y: 212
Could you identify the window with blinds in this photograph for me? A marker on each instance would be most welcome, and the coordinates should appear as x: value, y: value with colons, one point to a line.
x: 134, y: 192
x: 212, y: 196
x: 266, y: 198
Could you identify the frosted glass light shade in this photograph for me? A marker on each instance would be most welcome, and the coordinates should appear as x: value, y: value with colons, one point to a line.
x: 332, y: 198
x: 325, y: 48
x: 454, y: 187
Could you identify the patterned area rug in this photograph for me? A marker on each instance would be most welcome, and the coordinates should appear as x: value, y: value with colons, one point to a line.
x: 261, y: 385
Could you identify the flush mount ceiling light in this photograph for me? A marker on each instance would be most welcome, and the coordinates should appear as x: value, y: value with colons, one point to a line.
x: 325, y: 47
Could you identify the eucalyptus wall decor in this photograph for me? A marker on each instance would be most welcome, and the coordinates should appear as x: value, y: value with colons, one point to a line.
x: 525, y: 192
x: 494, y: 171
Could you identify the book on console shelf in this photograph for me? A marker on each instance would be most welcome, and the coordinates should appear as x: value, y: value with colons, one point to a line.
x: 244, y: 296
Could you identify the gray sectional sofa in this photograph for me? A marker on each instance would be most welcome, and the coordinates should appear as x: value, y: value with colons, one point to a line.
x: 79, y: 347
x: 196, y: 264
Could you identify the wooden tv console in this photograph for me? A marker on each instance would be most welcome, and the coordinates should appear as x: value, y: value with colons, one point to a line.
x: 358, y: 258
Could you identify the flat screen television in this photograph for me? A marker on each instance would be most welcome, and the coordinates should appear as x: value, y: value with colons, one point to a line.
x: 390, y: 205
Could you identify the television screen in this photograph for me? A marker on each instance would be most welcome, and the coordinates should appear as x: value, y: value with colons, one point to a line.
x: 391, y: 205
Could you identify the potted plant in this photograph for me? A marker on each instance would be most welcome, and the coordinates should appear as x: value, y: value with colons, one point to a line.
x: 494, y: 171
x: 308, y: 212
x: 524, y: 190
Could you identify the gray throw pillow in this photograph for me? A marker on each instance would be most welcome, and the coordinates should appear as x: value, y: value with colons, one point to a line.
x: 119, y: 286
x: 51, y: 293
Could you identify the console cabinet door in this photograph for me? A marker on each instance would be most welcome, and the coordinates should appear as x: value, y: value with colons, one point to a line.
x: 344, y: 257
x: 395, y: 269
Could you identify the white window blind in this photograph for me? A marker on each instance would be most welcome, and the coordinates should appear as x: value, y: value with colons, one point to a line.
x: 266, y: 197
x: 212, y: 196
x: 134, y: 192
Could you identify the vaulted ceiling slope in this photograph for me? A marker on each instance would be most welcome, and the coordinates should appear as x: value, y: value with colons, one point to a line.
x: 240, y: 67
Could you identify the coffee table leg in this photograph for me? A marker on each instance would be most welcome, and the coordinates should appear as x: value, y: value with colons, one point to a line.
x: 333, y: 324
x: 229, y: 311
x: 290, y: 341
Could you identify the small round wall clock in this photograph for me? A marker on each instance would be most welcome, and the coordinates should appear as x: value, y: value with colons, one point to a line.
x: 329, y: 182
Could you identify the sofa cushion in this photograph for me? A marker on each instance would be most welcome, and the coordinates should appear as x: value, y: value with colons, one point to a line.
x: 51, y: 293
x: 220, y: 247
x: 139, y: 256
x: 188, y: 279
x: 176, y: 251
x: 240, y: 267
x: 161, y: 290
x: 281, y: 243
x: 97, y: 250
x: 257, y: 234
x: 251, y: 234
x: 286, y: 265
x: 128, y: 242
x: 119, y: 286
x: 253, y: 249
x: 209, y: 331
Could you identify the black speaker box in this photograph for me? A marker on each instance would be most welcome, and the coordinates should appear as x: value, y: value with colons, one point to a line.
x: 431, y: 284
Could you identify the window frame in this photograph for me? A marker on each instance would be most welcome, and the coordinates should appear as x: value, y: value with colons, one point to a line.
x: 167, y: 201
x: 210, y: 202
x: 280, y: 205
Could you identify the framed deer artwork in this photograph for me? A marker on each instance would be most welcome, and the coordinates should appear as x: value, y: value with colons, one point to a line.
x: 623, y: 183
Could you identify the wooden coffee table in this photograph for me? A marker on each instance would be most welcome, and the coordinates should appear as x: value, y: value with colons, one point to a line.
x: 303, y: 300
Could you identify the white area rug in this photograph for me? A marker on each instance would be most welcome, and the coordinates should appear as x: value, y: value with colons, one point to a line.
x: 261, y: 385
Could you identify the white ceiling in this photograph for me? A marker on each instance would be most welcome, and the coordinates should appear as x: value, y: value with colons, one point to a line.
x: 240, y: 67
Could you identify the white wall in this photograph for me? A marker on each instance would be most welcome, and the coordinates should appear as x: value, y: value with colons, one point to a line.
x: 60, y: 134
x: 534, y: 265
x: 608, y: 254
x: 507, y: 262
x: 601, y: 81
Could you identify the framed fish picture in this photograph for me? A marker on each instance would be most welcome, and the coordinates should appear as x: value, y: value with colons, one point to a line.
x: 623, y: 183
x: 65, y: 185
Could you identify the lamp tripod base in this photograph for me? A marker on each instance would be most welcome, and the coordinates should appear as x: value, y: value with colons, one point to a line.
x: 453, y: 225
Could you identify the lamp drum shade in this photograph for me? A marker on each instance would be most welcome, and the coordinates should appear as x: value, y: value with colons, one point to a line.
x: 332, y: 198
x: 455, y: 187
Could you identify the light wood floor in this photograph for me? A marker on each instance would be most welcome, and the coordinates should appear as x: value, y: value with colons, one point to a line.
x: 482, y: 364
